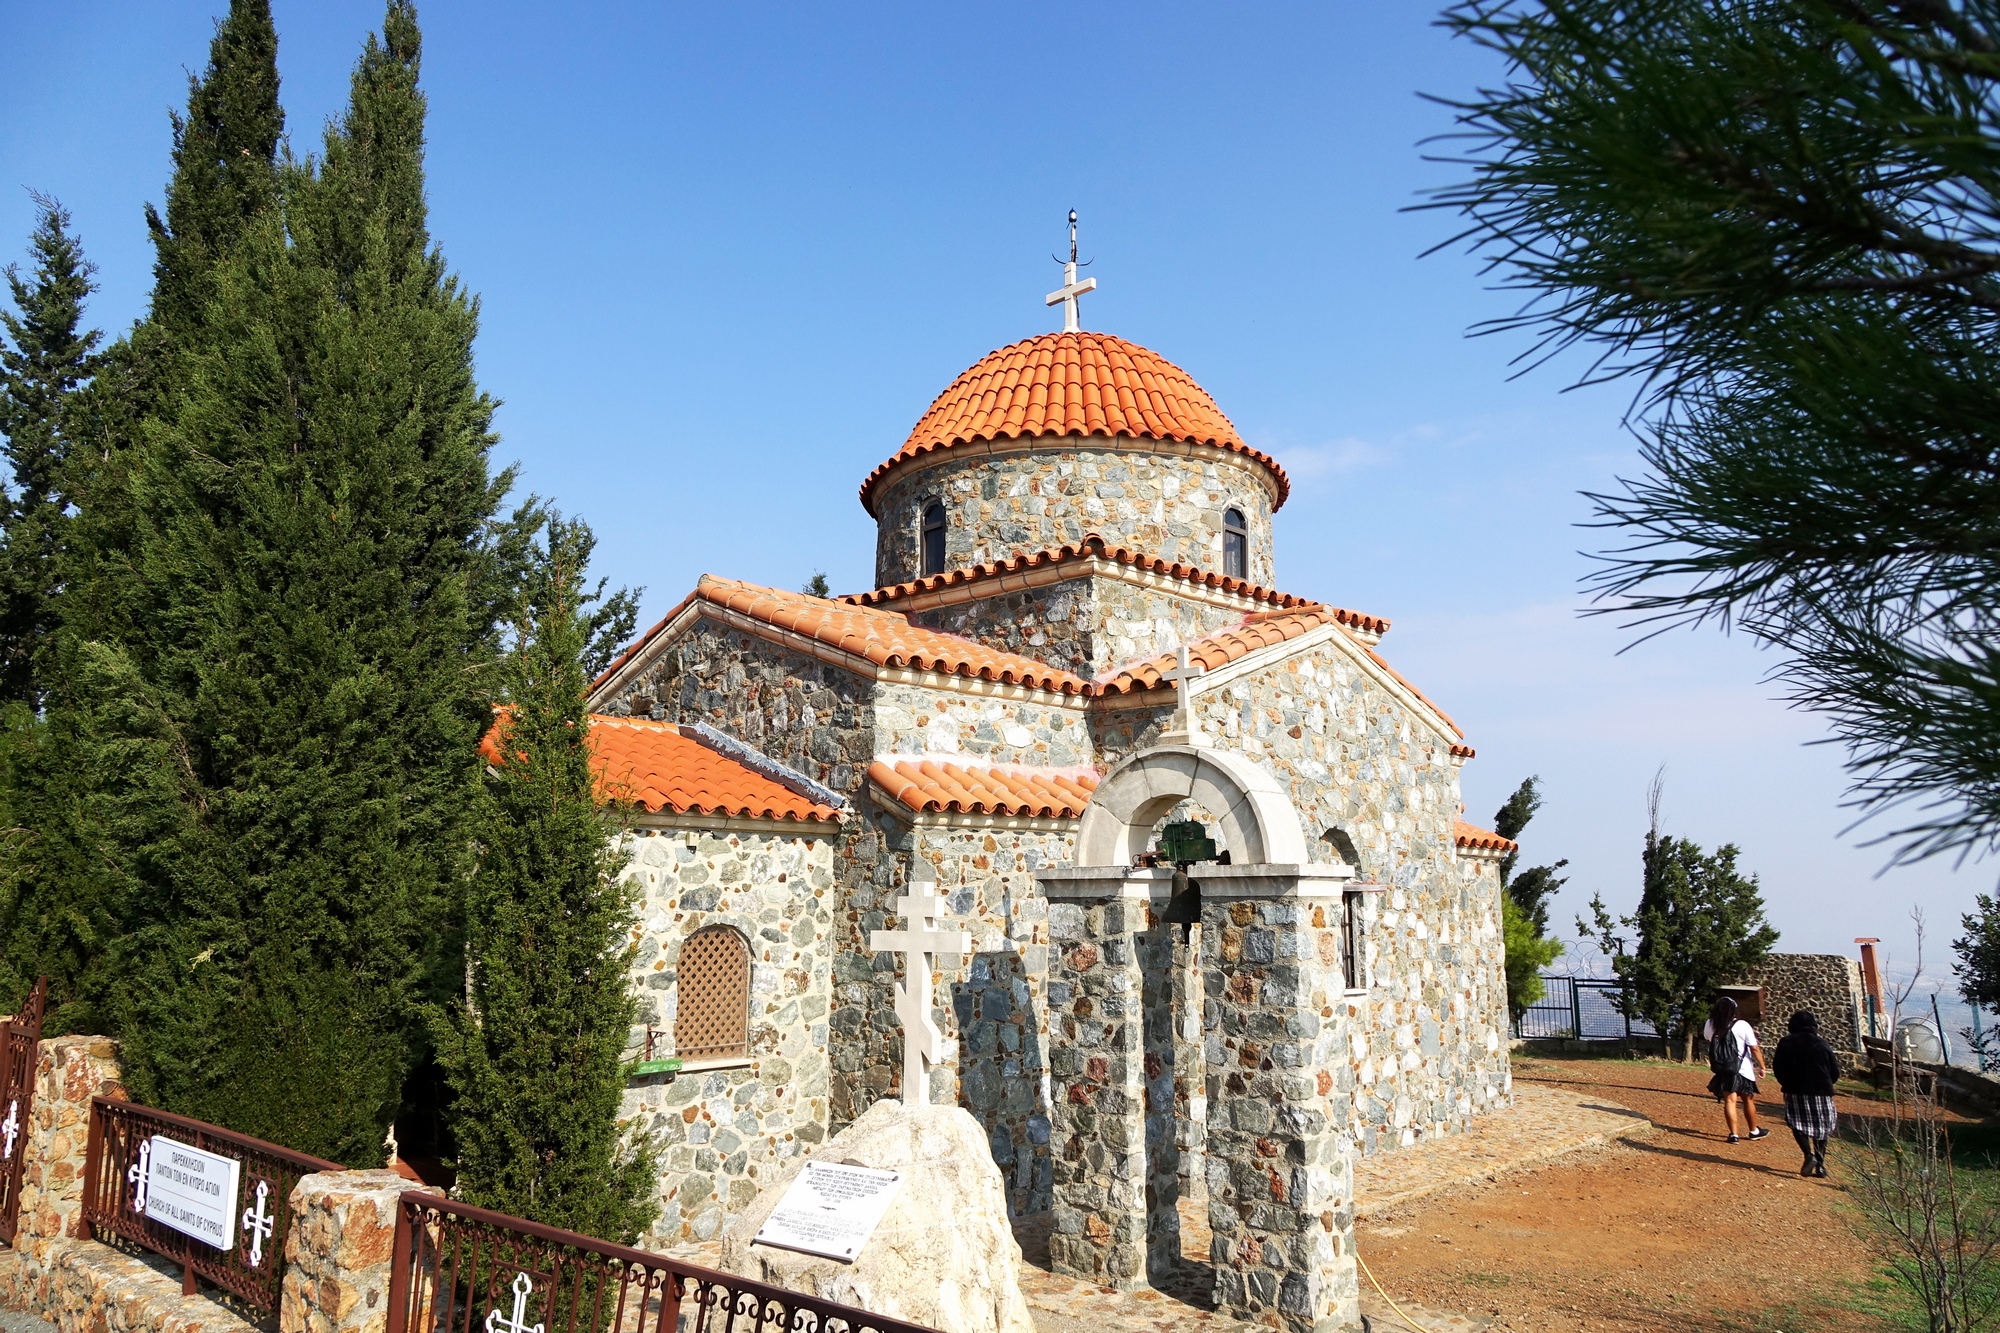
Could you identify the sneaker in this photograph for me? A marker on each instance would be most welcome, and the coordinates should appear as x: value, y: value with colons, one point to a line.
x: 1760, y: 1133
x: 1732, y: 1138
x: 1807, y: 1169
x: 1819, y: 1168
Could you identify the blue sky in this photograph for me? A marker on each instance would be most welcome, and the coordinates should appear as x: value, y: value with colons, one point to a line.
x: 728, y: 254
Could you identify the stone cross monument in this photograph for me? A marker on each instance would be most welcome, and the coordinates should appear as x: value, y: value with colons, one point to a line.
x: 923, y: 1044
x: 1182, y: 729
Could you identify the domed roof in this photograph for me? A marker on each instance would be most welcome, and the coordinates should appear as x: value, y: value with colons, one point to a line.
x: 1072, y: 384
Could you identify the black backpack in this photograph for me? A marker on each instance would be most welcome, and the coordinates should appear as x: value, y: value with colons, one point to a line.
x: 1725, y: 1057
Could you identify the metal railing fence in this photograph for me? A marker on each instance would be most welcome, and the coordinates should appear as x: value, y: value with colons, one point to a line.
x: 460, y: 1269
x: 114, y: 1198
x: 20, y: 1047
x: 1582, y: 1009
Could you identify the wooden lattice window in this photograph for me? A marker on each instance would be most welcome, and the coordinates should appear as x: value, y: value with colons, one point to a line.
x: 712, y: 1005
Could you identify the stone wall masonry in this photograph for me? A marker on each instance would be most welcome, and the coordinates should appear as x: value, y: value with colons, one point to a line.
x: 808, y: 715
x: 1280, y: 1159
x: 914, y: 720
x: 1827, y: 984
x: 1430, y: 1048
x: 1001, y: 506
x: 338, y: 1252
x: 1086, y: 625
x: 722, y: 1130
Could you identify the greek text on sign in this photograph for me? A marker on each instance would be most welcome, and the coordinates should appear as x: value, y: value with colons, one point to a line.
x: 830, y: 1210
x: 193, y: 1191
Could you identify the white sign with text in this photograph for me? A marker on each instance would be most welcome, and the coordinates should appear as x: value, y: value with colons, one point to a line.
x: 830, y: 1210
x: 193, y: 1191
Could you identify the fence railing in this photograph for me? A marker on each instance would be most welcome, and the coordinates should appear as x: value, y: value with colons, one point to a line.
x: 460, y: 1269
x: 20, y: 1046
x: 116, y: 1186
x: 1583, y: 1009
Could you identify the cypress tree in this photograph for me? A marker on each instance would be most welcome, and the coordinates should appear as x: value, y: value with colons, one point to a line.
x: 533, y: 1051
x: 46, y: 362
x: 1524, y: 907
x: 319, y: 567
x: 54, y: 909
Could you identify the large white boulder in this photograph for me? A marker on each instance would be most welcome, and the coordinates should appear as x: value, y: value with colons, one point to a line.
x: 943, y: 1255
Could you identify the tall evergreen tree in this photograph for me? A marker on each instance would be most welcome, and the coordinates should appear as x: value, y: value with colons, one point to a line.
x: 1700, y: 926
x: 1524, y: 906
x: 534, y: 1050
x: 46, y: 361
x: 319, y: 564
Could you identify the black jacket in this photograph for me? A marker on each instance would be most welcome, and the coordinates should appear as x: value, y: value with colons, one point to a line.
x: 1805, y: 1066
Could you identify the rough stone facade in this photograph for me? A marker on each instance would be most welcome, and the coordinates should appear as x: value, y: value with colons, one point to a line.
x: 338, y: 1252
x: 721, y: 1127
x: 1168, y: 501
x: 1827, y: 984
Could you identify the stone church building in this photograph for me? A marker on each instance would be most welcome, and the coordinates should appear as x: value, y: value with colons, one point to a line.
x: 1065, y: 519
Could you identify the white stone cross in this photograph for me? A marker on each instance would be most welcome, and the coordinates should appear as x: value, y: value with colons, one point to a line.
x: 11, y: 1128
x: 1183, y: 730
x: 139, y: 1173
x: 523, y: 1284
x: 1071, y: 288
x: 257, y: 1223
x: 923, y: 1044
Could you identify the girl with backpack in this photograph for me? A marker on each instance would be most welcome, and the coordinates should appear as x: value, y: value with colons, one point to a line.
x: 1736, y: 1063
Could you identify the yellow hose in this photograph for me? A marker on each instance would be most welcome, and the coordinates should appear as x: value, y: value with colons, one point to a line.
x: 1400, y: 1313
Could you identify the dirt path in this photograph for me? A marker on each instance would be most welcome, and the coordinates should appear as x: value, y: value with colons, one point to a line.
x: 1682, y: 1231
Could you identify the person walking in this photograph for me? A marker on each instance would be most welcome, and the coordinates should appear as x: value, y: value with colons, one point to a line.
x: 1806, y: 1068
x: 1737, y: 1062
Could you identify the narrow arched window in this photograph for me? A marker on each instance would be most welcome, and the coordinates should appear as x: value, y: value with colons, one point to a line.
x: 1235, y: 545
x: 934, y: 538
x: 712, y: 996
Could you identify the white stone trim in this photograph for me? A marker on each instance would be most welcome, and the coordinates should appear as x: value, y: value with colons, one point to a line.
x: 808, y: 830
x: 1259, y: 822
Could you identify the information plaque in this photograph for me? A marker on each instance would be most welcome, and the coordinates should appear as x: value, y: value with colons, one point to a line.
x: 192, y: 1191
x: 830, y: 1210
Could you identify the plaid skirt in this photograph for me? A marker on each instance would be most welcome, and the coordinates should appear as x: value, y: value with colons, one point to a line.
x: 1813, y: 1117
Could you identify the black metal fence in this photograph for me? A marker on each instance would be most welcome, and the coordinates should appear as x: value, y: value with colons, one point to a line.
x: 1582, y: 1009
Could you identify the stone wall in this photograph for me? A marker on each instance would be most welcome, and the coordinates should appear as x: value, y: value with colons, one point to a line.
x: 1002, y: 505
x: 722, y: 1129
x: 1035, y: 729
x: 1430, y: 1048
x: 810, y: 716
x: 1827, y: 984
x: 338, y: 1252
x: 1086, y: 625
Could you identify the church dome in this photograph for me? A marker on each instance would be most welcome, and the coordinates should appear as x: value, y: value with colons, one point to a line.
x: 1072, y: 384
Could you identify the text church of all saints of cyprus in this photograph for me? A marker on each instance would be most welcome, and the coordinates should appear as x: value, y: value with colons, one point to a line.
x: 1076, y: 634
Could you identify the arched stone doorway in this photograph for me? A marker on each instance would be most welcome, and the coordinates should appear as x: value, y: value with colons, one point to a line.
x: 1280, y: 1200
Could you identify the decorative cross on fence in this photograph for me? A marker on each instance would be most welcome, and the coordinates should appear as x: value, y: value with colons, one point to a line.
x: 523, y: 1284
x: 10, y: 1128
x: 257, y: 1224
x: 923, y: 1044
x: 138, y: 1173
x: 1182, y: 729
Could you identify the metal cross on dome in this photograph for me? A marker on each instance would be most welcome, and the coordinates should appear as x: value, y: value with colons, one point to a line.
x: 1071, y: 288
x: 923, y: 1044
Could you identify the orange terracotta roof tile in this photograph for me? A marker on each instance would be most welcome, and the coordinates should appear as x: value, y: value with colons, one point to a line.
x: 1478, y: 839
x: 1095, y: 547
x: 654, y: 765
x: 1462, y: 751
x: 1000, y: 789
x: 1072, y: 384
x: 884, y: 638
x: 1260, y: 630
